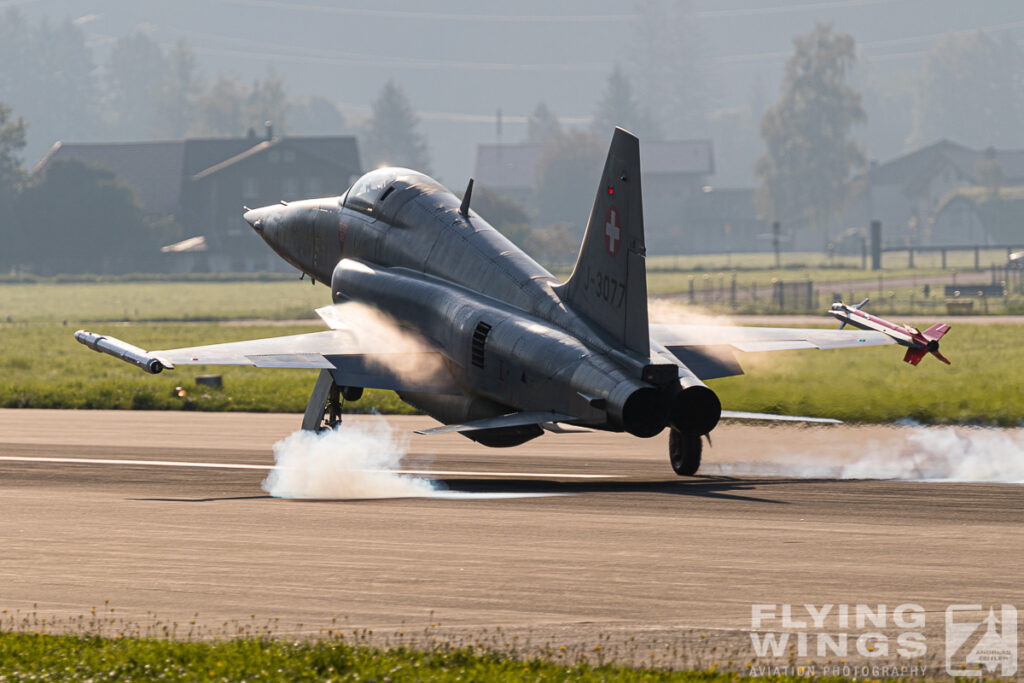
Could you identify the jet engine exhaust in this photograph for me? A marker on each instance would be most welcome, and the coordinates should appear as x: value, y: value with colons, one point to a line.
x: 695, y: 410
x: 644, y: 413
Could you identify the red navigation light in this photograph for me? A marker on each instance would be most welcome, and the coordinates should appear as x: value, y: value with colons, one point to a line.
x: 611, y: 190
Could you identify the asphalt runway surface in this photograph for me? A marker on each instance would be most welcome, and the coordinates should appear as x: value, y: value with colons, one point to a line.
x: 162, y: 517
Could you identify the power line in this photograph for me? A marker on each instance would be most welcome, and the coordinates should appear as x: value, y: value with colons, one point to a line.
x: 785, y: 9
x: 548, y: 18
x: 442, y: 16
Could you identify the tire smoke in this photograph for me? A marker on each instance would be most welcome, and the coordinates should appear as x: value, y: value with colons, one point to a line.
x: 941, y: 454
x: 357, y: 461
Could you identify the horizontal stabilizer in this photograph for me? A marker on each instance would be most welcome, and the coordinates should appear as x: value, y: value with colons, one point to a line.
x: 936, y: 331
x: 511, y: 420
x: 734, y: 415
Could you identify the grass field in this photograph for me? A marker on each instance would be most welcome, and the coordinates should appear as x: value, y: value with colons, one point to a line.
x: 789, y: 261
x: 98, y: 299
x: 982, y: 385
x: 42, y: 366
x: 43, y: 657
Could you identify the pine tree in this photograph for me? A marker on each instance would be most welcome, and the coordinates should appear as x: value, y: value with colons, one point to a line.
x: 618, y: 107
x: 542, y: 126
x: 390, y: 136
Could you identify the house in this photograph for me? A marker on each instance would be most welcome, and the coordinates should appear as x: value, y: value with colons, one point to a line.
x: 204, y: 183
x: 672, y: 173
x: 719, y: 220
x: 981, y: 216
x: 907, y: 193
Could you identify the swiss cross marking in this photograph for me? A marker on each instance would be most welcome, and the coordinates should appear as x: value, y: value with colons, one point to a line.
x: 612, y: 232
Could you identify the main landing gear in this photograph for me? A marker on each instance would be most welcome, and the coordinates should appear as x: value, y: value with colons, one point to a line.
x: 324, y: 408
x: 684, y: 452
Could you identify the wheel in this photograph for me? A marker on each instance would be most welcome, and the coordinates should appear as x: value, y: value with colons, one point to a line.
x: 684, y: 453
x: 351, y: 393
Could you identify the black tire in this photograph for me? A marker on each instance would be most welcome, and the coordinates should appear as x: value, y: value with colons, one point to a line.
x: 684, y: 453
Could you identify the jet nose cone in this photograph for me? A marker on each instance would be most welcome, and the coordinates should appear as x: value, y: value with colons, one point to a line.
x: 254, y: 217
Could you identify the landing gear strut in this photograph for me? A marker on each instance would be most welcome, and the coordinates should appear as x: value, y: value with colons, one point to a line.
x: 684, y: 452
x: 324, y: 408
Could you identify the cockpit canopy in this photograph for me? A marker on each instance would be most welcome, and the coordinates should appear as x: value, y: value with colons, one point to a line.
x: 373, y: 187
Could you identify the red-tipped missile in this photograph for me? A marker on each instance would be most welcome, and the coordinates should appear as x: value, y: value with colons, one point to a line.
x: 918, y: 343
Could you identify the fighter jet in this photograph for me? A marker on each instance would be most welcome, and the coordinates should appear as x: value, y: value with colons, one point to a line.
x: 918, y: 343
x: 493, y: 346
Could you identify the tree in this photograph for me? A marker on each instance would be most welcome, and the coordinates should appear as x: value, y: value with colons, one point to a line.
x: 810, y: 157
x: 503, y: 213
x: 136, y: 74
x: 567, y: 176
x: 219, y: 110
x: 618, y: 107
x: 79, y: 218
x: 315, y: 115
x: 267, y: 101
x: 12, y: 142
x: 990, y: 175
x: 229, y: 108
x: 66, y: 96
x: 390, y: 137
x: 669, y: 67
x: 542, y: 126
x: 180, y: 94
x: 971, y: 91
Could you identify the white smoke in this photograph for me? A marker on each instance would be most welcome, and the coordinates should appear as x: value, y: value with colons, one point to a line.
x: 945, y: 454
x: 386, y: 344
x: 670, y: 312
x: 358, y: 460
x: 353, y: 461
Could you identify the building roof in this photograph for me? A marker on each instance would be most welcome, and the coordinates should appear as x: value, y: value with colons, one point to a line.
x: 513, y: 166
x: 154, y: 169
x: 336, y: 151
x: 159, y: 170
x: 999, y: 212
x: 677, y: 156
x: 905, y: 169
x: 726, y: 204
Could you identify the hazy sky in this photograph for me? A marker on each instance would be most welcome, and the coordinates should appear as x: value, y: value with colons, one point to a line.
x: 459, y: 60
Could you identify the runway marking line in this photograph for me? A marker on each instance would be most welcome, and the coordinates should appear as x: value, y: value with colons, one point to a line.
x: 239, y: 466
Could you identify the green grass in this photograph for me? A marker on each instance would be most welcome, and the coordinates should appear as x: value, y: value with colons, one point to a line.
x: 142, y: 301
x: 983, y: 385
x: 841, y: 265
x: 88, y: 298
x: 38, y: 657
x: 42, y: 366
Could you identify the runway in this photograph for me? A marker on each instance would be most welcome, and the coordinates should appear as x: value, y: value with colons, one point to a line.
x: 625, y: 548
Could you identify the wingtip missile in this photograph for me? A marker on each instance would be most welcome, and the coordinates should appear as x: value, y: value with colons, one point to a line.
x: 918, y: 343
x: 122, y: 350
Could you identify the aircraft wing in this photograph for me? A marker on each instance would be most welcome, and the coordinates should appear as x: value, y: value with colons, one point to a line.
x: 292, y: 351
x: 709, y: 350
x: 354, y: 361
x: 358, y: 352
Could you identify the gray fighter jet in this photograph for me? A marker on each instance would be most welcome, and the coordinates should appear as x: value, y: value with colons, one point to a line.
x: 487, y: 341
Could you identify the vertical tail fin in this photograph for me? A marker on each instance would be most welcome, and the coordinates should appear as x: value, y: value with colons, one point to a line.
x: 608, y: 284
